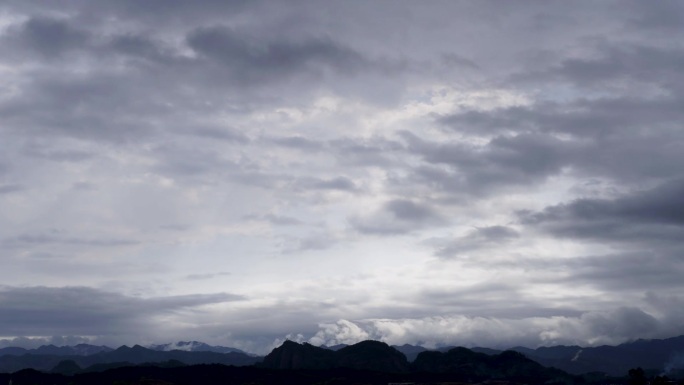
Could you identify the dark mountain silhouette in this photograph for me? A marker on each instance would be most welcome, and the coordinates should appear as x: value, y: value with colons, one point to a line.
x: 123, y: 356
x: 12, y: 351
x: 291, y: 355
x: 613, y: 360
x: 467, y: 365
x: 366, y: 355
x: 66, y: 367
x: 372, y: 355
x: 214, y: 375
x: 657, y: 357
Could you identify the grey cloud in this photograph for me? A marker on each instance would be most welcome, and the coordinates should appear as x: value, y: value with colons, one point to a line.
x: 651, y: 214
x: 627, y: 272
x: 409, y: 211
x: 623, y: 323
x: 581, y: 118
x: 612, y: 138
x: 84, y: 186
x: 282, y: 220
x: 43, y: 151
x: 141, y: 52
x: 374, y: 152
x: 494, y: 233
x: 251, y: 60
x: 397, y: 216
x: 315, y: 241
x: 503, y: 162
x: 179, y: 114
x: 51, y: 38
x: 48, y: 239
x: 229, y: 135
x: 299, y: 142
x: 666, y: 17
x: 11, y: 188
x: 488, y: 237
x: 30, y: 311
x: 340, y: 183
x: 196, y: 277
x: 214, y: 165
x: 455, y: 60
x: 75, y: 107
x: 636, y: 64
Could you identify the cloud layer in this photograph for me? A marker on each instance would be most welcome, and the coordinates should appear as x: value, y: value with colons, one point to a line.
x: 450, y: 173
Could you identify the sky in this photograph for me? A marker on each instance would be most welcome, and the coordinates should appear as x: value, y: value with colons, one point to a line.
x: 438, y: 173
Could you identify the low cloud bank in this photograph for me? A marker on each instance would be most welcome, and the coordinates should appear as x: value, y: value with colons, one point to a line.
x: 589, y: 329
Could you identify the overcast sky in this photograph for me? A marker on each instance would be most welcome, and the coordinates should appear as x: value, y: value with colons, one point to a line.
x: 437, y: 173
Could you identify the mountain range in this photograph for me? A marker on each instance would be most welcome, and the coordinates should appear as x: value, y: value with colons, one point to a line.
x: 665, y: 357
x: 49, y: 358
x: 457, y: 364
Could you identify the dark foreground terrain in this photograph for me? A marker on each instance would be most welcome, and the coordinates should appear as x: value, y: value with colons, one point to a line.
x: 222, y: 375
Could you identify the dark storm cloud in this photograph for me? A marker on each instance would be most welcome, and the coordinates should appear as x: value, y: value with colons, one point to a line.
x: 86, y: 311
x: 655, y: 214
x: 49, y: 38
x: 483, y: 169
x: 666, y: 17
x: 250, y: 60
x: 658, y: 270
x: 582, y: 119
x: 76, y: 106
x: 611, y: 138
x: 633, y: 65
x: 406, y: 210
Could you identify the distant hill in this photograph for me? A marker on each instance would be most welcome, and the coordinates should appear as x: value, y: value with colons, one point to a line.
x: 467, y: 365
x: 122, y: 356
x: 410, y: 351
x: 78, y: 350
x: 662, y: 355
x: 291, y: 355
